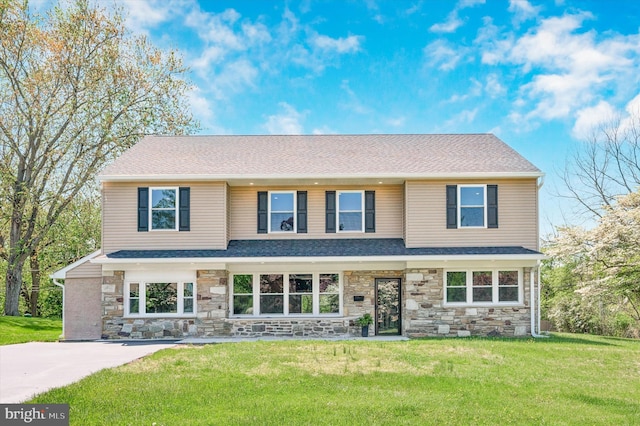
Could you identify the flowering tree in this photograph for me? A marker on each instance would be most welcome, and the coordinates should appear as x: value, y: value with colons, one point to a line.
x: 607, y: 260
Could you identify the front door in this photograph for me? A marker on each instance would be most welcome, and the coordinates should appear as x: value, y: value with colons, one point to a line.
x: 388, y: 313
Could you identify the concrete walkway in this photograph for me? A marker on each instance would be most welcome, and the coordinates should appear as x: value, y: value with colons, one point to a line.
x: 31, y: 368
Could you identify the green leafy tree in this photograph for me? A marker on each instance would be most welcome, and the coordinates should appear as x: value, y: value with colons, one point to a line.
x: 76, y: 89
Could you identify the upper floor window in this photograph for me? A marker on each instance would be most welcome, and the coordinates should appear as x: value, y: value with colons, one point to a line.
x: 350, y: 211
x: 282, y: 212
x: 472, y: 204
x: 495, y: 286
x: 164, y: 208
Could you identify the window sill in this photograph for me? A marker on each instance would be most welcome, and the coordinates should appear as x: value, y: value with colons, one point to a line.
x: 485, y: 305
x: 282, y: 316
x: 158, y: 316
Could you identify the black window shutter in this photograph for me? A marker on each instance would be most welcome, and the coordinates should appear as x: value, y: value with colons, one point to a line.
x: 369, y: 211
x: 143, y: 209
x: 492, y: 206
x: 330, y: 212
x: 263, y: 212
x: 302, y: 212
x: 183, y: 211
x: 452, y: 206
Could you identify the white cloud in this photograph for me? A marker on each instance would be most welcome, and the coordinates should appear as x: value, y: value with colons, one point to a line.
x: 463, y: 4
x: 443, y: 55
x: 449, y: 26
x: 567, y: 67
x: 233, y: 78
x: 414, y: 8
x: 495, y: 46
x: 353, y: 103
x: 453, y: 21
x: 589, y: 119
x: 493, y: 88
x: 348, y: 44
x: 396, y: 121
x: 324, y: 130
x: 143, y: 15
x: 463, y: 117
x: 286, y: 122
x: 200, y: 105
x: 522, y: 10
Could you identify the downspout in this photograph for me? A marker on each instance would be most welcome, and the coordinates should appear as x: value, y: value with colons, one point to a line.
x: 535, y: 298
x: 535, y: 303
x: 55, y: 281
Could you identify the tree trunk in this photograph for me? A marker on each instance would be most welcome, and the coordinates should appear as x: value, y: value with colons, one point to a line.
x: 35, y: 283
x: 14, y: 282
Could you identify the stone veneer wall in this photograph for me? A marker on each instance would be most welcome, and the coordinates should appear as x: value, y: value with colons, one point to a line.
x: 362, y: 283
x: 211, y: 316
x: 424, y: 313
x: 210, y: 320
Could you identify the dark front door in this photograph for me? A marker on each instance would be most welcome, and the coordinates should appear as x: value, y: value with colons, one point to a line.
x: 388, y: 313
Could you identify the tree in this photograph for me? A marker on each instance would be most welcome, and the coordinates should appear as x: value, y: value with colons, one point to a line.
x: 606, y: 258
x: 76, y: 89
x: 75, y: 234
x: 605, y: 166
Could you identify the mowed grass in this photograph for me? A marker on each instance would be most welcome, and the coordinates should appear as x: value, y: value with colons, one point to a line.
x: 566, y: 379
x: 26, y: 329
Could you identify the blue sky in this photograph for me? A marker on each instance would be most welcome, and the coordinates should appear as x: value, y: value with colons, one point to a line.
x: 538, y: 74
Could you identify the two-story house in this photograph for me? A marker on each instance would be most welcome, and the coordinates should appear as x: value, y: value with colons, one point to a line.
x: 434, y: 235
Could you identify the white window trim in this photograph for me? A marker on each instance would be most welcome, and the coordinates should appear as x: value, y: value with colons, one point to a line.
x: 361, y: 211
x: 176, y: 208
x: 494, y: 286
x: 295, y: 213
x: 144, y: 277
x: 484, y: 207
x: 316, y: 296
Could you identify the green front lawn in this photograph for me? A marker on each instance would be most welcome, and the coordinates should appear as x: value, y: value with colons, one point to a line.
x: 567, y: 379
x: 26, y: 329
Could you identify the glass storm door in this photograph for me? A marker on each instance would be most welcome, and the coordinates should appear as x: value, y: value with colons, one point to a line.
x: 388, y: 306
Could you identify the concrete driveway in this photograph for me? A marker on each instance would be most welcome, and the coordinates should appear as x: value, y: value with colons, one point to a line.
x: 31, y: 368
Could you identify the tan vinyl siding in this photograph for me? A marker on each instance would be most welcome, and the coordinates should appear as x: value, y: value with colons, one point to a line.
x: 243, y: 212
x: 85, y: 270
x: 517, y: 216
x: 120, y: 218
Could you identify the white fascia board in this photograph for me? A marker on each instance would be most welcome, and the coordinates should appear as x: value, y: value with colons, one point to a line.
x: 62, y: 273
x: 110, y: 263
x: 258, y: 177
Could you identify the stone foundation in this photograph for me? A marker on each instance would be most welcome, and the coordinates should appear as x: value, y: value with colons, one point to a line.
x: 423, y: 313
x: 328, y: 327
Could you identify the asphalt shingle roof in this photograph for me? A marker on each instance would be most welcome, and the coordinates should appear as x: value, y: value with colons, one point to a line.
x: 318, y: 248
x: 319, y: 156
